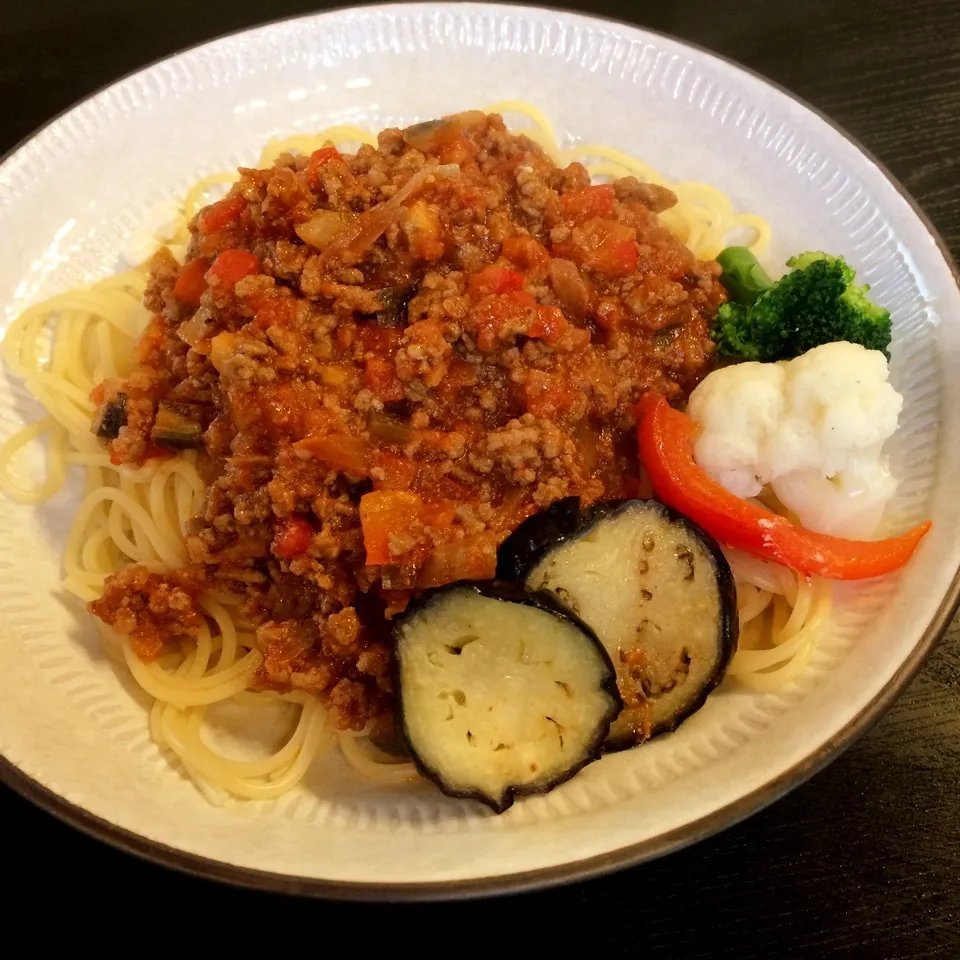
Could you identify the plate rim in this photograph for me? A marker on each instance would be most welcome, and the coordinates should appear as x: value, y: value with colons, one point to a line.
x: 207, y: 868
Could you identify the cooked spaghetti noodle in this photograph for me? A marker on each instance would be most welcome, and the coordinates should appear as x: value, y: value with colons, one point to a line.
x: 63, y: 348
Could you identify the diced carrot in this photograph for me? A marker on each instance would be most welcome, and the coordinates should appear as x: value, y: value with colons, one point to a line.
x: 527, y: 255
x: 233, y: 265
x: 586, y: 202
x: 191, y: 284
x: 384, y: 513
x: 341, y: 452
x: 292, y: 537
x: 98, y: 394
x: 318, y: 159
x: 220, y: 214
x: 495, y: 279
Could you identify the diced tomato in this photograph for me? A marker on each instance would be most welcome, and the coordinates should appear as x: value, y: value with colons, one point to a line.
x: 292, y: 538
x: 605, y: 246
x: 609, y: 314
x: 221, y: 214
x: 434, y: 482
x: 460, y: 150
x: 233, y: 265
x: 549, y: 326
x: 546, y: 395
x: 398, y: 472
x: 318, y: 159
x: 372, y: 338
x: 579, y: 205
x: 341, y: 452
x: 616, y: 259
x: 191, y: 284
x: 384, y: 513
x: 495, y: 279
x: 496, y: 318
x: 527, y: 255
x: 380, y: 376
x: 438, y: 514
x: 282, y: 408
x: 273, y: 311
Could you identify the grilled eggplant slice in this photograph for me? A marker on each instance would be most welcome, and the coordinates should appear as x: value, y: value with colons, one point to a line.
x: 657, y: 591
x: 503, y: 692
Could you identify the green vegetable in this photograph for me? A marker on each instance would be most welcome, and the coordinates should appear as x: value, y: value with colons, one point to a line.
x: 814, y: 304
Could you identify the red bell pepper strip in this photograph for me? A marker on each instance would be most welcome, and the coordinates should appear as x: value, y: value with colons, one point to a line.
x: 666, y: 450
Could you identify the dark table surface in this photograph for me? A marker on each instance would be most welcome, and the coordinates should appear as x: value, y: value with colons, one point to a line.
x: 862, y: 861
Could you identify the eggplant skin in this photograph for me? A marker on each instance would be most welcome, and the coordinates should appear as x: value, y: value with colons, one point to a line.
x: 536, y: 537
x: 563, y: 522
x: 509, y: 592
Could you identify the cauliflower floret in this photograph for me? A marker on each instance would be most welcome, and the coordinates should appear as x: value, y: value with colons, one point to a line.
x: 813, y: 428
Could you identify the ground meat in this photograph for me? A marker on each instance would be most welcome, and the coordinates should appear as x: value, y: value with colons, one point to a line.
x: 152, y: 608
x: 385, y: 404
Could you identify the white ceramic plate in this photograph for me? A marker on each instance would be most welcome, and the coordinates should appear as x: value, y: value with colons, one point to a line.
x: 74, y: 738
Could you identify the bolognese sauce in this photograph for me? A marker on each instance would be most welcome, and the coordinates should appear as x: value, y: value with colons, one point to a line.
x: 387, y: 361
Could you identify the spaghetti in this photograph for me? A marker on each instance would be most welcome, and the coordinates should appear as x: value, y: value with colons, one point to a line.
x: 63, y: 348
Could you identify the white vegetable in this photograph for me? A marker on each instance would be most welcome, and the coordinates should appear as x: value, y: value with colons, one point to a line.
x: 813, y: 428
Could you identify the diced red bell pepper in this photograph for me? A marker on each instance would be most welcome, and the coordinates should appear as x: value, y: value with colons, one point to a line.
x: 318, y: 159
x: 221, y: 214
x: 586, y: 202
x: 233, y: 265
x: 495, y: 279
x: 666, y: 451
x: 292, y: 537
x: 191, y: 282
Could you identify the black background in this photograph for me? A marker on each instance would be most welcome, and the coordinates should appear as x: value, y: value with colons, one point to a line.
x: 862, y: 861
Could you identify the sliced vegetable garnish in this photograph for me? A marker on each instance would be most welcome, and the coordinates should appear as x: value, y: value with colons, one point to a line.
x: 666, y: 450
x: 503, y: 692
x: 657, y: 591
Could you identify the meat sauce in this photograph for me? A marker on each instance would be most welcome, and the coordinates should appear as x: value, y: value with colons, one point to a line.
x: 388, y: 361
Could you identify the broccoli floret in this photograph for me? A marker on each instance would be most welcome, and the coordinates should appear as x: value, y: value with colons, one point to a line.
x: 816, y: 303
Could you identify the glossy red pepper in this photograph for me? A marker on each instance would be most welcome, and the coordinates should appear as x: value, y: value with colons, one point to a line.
x: 233, y: 265
x: 666, y: 450
x: 292, y: 538
x: 318, y: 159
x: 191, y: 282
x: 220, y: 214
